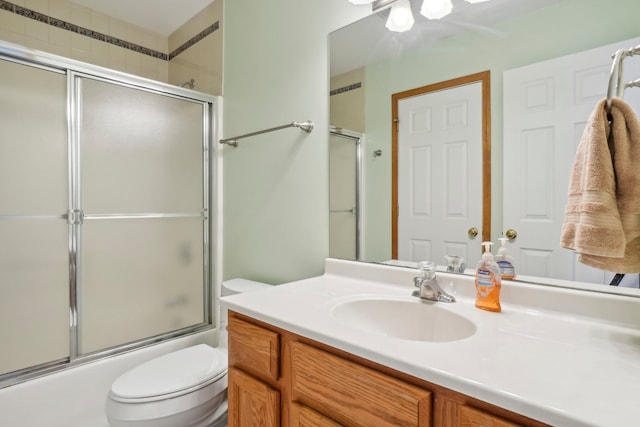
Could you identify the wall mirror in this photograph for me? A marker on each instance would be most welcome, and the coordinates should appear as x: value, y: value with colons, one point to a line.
x: 511, y: 40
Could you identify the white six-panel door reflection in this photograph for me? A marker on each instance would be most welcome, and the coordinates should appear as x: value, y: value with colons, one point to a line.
x: 439, y: 162
x: 546, y: 107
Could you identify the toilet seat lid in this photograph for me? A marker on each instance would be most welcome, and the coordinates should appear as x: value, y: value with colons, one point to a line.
x: 182, y: 370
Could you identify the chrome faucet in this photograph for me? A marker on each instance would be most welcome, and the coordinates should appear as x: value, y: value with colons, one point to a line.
x: 427, y: 284
x: 455, y: 264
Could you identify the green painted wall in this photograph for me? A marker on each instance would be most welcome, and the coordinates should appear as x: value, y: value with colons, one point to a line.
x: 276, y: 220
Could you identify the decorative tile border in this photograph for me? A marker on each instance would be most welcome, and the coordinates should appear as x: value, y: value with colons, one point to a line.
x: 58, y: 23
x: 204, y: 33
x: 346, y: 89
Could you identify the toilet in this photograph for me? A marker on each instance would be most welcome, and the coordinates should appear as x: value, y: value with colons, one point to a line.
x: 184, y: 388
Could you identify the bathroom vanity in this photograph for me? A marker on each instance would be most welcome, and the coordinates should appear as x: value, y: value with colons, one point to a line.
x: 353, y: 347
x: 278, y: 376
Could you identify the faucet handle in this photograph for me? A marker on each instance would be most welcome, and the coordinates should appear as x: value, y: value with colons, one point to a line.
x: 427, y: 269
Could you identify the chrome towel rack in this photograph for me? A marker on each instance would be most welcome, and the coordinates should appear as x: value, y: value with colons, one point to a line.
x: 616, y: 87
x: 305, y: 126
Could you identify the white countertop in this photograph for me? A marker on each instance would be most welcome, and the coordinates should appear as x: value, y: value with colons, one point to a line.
x: 562, y: 356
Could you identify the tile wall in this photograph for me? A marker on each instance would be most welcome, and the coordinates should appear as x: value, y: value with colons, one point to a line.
x: 64, y: 28
x: 347, y: 100
x: 196, y: 51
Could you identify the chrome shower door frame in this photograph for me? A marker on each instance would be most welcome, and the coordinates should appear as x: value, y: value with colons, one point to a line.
x: 75, y: 71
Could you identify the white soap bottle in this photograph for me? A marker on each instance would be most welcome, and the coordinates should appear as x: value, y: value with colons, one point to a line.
x: 505, y: 261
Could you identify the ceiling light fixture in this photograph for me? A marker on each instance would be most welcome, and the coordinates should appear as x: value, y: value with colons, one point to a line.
x: 400, y: 18
x: 436, y: 9
x: 431, y: 9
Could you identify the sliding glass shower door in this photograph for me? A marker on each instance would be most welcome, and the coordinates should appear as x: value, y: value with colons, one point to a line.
x: 104, y: 214
x: 34, y: 264
x: 140, y: 189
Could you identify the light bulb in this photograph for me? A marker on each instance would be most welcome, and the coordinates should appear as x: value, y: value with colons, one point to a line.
x: 436, y: 9
x: 400, y: 18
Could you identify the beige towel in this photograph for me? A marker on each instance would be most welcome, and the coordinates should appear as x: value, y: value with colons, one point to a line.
x: 602, y: 216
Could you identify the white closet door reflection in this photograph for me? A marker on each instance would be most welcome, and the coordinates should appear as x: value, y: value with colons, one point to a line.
x: 140, y: 151
x: 140, y: 278
x: 34, y: 293
x: 33, y: 141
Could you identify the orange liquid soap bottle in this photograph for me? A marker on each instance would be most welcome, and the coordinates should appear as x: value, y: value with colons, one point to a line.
x: 488, y: 281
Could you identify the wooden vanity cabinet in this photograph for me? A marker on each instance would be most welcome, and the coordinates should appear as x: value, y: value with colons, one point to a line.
x: 471, y: 417
x: 353, y: 394
x: 254, y: 375
x: 277, y: 378
x: 255, y: 403
x: 302, y: 416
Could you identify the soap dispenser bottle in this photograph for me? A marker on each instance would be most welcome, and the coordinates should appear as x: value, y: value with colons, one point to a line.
x: 505, y: 261
x: 488, y: 281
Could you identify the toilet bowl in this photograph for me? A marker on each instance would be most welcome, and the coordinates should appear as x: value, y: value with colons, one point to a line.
x: 184, y: 388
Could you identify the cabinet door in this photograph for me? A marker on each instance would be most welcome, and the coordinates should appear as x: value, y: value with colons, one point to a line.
x: 355, y: 395
x: 301, y: 416
x: 471, y: 417
x: 252, y: 403
x: 254, y: 349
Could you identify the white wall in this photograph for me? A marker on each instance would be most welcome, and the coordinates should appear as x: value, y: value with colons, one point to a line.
x: 276, y: 220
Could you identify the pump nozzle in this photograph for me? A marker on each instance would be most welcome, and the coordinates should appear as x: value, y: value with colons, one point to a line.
x: 487, y: 255
x: 503, y: 245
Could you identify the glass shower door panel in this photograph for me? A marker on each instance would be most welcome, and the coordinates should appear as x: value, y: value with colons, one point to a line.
x: 33, y: 141
x: 141, y: 154
x: 34, y: 293
x: 140, y: 151
x: 34, y: 242
x: 342, y: 197
x: 140, y: 278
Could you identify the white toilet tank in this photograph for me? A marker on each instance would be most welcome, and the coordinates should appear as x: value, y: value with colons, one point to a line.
x: 238, y: 286
x: 232, y: 287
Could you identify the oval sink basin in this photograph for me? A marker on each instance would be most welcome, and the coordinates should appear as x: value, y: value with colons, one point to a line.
x: 408, y: 320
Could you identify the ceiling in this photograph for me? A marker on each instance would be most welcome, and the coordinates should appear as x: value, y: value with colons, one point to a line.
x: 160, y: 16
x: 368, y: 41
x: 374, y: 42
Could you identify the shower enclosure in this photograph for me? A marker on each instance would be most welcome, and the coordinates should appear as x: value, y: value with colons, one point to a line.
x: 345, y: 164
x: 105, y: 237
